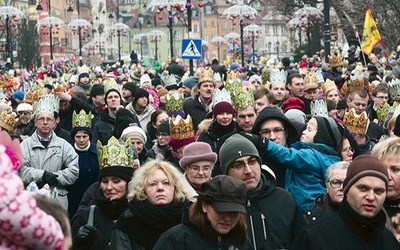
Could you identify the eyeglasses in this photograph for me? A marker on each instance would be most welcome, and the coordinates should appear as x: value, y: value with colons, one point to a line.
x: 162, y: 135
x: 196, y: 169
x: 383, y: 97
x: 240, y: 165
x: 43, y: 119
x: 335, y: 183
x: 267, y: 132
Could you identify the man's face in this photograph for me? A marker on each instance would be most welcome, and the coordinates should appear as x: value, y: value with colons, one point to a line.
x: 261, y: 103
x: 45, y: 123
x: 380, y: 99
x: 186, y: 91
x: 81, y: 139
x: 24, y: 116
x: 279, y: 91
x: 63, y: 105
x: 358, y: 103
x: 311, y: 94
x: 113, y: 100
x: 245, y: 118
x: 250, y: 174
x: 98, y: 100
x: 274, y: 130
x: 206, y: 89
x: 142, y: 102
x: 126, y: 93
x: 296, y: 87
x: 367, y: 196
x: 392, y: 164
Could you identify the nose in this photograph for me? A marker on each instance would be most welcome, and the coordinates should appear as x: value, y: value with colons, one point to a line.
x: 109, y: 186
x: 272, y: 136
x: 160, y: 186
x: 370, y: 195
x: 247, y: 169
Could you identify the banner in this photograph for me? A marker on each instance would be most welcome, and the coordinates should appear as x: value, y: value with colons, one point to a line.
x: 371, y: 36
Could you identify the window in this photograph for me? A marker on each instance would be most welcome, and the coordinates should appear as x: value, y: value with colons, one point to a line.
x: 177, y: 35
x: 224, y: 26
x: 213, y: 23
x: 283, y: 29
x: 275, y: 29
x: 208, y: 9
x: 267, y: 30
x: 195, y: 28
x: 205, y: 23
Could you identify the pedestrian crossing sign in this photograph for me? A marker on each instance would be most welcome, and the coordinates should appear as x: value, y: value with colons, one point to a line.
x: 191, y: 48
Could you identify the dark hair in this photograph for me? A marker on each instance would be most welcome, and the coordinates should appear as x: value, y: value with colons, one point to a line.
x: 382, y: 87
x: 199, y: 218
x: 155, y: 114
x: 291, y: 76
x: 331, y: 105
x: 358, y: 91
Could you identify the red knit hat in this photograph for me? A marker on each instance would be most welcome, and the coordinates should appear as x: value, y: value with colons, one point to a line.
x: 222, y: 107
x: 293, y: 103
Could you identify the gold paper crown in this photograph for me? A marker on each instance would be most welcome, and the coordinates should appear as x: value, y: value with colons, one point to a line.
x: 205, y: 74
x: 303, y: 71
x: 310, y: 80
x: 356, y: 123
x: 174, y: 101
x: 278, y: 76
x: 115, y: 153
x: 181, y: 128
x: 8, y: 121
x: 382, y: 112
x: 83, y: 69
x: 233, y: 75
x: 82, y: 119
x: 60, y: 87
x: 244, y: 99
x: 110, y: 83
x: 48, y: 104
x: 335, y: 61
x: 221, y: 96
x: 394, y: 89
x: 319, y: 108
x: 31, y: 97
x: 358, y: 80
x: 328, y: 86
x: 233, y: 83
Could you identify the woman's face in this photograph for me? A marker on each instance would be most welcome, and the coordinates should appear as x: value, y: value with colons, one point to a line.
x: 222, y: 222
x: 162, y: 117
x: 163, y: 139
x: 159, y: 189
x: 113, y: 187
x: 199, y: 172
x: 392, y: 164
x: 224, y: 119
x: 335, y: 185
x: 347, y: 151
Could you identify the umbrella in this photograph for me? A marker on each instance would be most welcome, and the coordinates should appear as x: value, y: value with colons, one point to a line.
x: 79, y: 23
x: 155, y: 34
x: 138, y: 37
x: 11, y: 11
x: 232, y: 36
x: 99, y: 40
x: 50, y: 22
x: 218, y: 40
x: 251, y: 29
x: 119, y: 27
x: 160, y: 4
x: 112, y: 47
x: 240, y: 10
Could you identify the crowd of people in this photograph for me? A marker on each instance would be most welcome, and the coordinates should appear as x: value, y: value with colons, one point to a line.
x: 277, y: 155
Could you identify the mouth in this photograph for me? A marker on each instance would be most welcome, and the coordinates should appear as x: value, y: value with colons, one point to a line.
x: 369, y: 207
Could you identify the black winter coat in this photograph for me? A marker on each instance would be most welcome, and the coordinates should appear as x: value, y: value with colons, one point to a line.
x: 195, y: 109
x: 321, y: 208
x: 103, y: 129
x: 215, y: 132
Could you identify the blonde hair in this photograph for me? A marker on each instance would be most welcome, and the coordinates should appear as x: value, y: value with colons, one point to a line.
x: 137, y: 186
x: 386, y: 148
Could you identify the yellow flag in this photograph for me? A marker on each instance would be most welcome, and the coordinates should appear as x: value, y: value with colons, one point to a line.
x: 371, y: 36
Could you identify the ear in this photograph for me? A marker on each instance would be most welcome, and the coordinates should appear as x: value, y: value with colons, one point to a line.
x: 204, y: 207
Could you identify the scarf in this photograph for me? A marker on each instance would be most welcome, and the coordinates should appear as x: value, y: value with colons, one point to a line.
x: 150, y: 221
x: 112, y: 208
x: 221, y: 130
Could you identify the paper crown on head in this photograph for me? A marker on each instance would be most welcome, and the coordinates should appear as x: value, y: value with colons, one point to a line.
x: 83, y: 69
x: 205, y: 74
x: 243, y: 99
x: 168, y: 80
x: 110, y: 83
x: 181, y: 128
x: 47, y: 104
x: 310, y: 80
x: 217, y: 77
x: 278, y: 76
x: 319, y: 108
x: 328, y: 86
x: 174, y: 101
x: 303, y: 71
x: 320, y: 77
x: 358, y: 80
x: 8, y: 121
x: 335, y: 61
x: 115, y: 153
x: 356, y: 123
x: 394, y: 89
x: 383, y: 112
x: 82, y: 119
x: 221, y: 96
x: 60, y: 87
x: 233, y: 83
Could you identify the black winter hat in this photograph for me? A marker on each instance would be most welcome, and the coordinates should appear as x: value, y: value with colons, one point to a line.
x: 141, y: 93
x: 123, y: 119
x: 130, y: 86
x: 84, y: 74
x: 164, y: 128
x: 97, y: 89
x: 111, y: 90
x: 327, y: 131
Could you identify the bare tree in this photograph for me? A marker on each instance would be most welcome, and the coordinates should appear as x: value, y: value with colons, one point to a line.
x: 28, y: 43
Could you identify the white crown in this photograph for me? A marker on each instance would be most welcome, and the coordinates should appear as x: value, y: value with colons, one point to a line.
x: 278, y: 76
x: 319, y: 108
x: 47, y: 104
x: 320, y: 77
x: 221, y: 96
x: 169, y: 80
x: 217, y: 77
x: 394, y: 89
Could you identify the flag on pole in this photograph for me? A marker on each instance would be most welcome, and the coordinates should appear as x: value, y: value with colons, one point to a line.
x: 371, y: 36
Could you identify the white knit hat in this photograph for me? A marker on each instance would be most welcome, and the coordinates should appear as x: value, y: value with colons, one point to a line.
x: 134, y: 132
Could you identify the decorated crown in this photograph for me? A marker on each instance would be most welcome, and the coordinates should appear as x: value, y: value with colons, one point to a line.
x: 319, y: 108
x: 181, y: 128
x: 47, y: 104
x: 83, y: 69
x: 310, y: 80
x: 278, y: 76
x: 394, y: 89
x: 356, y: 123
x: 233, y: 83
x: 174, y: 101
x: 303, y: 71
x: 9, y: 121
x: 320, y: 77
x: 60, y: 87
x: 328, y: 86
x: 335, y: 61
x: 205, y: 74
x: 217, y: 77
x: 221, y: 96
x: 115, y: 153
x: 45, y: 190
x: 169, y: 80
x: 358, y: 80
x: 243, y: 99
x: 383, y: 112
x: 82, y: 119
x: 110, y: 83
x: 31, y: 97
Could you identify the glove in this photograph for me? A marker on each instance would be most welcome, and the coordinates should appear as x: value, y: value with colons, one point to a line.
x: 85, y: 235
x: 50, y: 178
x: 260, y: 142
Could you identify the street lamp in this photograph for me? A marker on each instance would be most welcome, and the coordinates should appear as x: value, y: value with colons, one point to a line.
x: 269, y: 48
x: 218, y: 41
x: 119, y: 29
x: 155, y: 36
x: 253, y: 31
x: 231, y: 37
x: 277, y: 49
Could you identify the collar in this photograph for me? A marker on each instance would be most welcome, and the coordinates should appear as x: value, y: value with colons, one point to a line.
x: 44, y: 139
